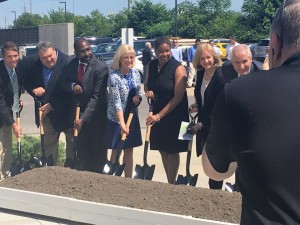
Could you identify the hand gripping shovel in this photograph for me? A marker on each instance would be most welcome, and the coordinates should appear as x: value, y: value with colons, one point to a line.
x: 188, y: 179
x: 115, y: 168
x: 18, y: 167
x: 146, y: 172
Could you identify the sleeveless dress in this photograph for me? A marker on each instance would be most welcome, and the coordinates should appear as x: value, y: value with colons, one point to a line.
x: 164, y: 134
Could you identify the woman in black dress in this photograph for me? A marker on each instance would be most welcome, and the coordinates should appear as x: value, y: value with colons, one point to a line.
x: 166, y: 83
x: 209, y: 83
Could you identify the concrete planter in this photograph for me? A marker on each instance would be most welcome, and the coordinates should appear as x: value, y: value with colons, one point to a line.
x: 90, y: 212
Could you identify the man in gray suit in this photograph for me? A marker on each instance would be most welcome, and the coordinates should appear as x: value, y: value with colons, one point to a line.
x: 86, y: 77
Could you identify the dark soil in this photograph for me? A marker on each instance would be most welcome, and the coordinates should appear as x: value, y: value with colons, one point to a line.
x: 149, y: 195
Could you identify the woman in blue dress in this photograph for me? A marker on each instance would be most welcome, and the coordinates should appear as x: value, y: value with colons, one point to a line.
x: 124, y: 86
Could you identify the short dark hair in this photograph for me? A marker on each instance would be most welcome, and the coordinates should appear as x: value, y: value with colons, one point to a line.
x: 232, y: 37
x: 78, y: 41
x: 160, y: 41
x: 9, y: 45
x: 197, y: 39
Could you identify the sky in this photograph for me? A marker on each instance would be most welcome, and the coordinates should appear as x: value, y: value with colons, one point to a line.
x: 10, y: 8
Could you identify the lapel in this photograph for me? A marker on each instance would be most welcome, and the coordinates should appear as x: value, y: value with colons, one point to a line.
x: 88, y: 72
x: 5, y: 77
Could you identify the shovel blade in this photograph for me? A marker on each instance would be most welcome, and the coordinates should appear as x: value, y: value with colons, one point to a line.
x: 119, y: 170
x: 113, y: 169
x: 181, y: 180
x: 139, y: 172
x: 148, y: 172
x: 193, y: 180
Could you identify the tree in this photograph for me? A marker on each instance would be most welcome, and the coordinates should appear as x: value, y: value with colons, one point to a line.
x: 258, y: 15
x: 29, y: 20
x: 144, y: 14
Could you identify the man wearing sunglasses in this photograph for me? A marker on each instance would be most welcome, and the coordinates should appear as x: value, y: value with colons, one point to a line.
x: 256, y: 126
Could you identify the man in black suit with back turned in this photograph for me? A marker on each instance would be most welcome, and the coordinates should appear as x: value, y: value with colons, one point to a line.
x: 10, y: 91
x: 256, y: 126
x: 42, y: 79
x: 86, y: 77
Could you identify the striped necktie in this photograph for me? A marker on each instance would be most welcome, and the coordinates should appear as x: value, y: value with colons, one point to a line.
x: 15, y: 85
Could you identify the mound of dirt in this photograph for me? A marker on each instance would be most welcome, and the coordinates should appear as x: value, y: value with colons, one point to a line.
x: 149, y: 195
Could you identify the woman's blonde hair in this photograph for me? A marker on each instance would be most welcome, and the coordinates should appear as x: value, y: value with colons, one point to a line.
x: 121, y: 52
x: 201, y: 48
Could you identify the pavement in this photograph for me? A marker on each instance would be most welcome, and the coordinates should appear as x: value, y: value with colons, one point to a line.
x: 9, y: 217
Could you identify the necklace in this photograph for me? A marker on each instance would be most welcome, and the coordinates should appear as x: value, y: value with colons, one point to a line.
x: 208, y: 75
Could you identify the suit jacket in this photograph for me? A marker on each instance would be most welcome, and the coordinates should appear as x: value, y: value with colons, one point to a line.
x: 55, y: 95
x: 230, y: 73
x: 7, y: 94
x: 93, y: 101
x: 210, y: 95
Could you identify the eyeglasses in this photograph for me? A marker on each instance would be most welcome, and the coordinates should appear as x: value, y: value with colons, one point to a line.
x: 175, y: 42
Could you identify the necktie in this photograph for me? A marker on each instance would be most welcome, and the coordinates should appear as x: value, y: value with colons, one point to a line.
x: 80, y: 72
x: 15, y: 85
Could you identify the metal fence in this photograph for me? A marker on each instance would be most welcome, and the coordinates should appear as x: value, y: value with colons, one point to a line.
x: 21, y: 36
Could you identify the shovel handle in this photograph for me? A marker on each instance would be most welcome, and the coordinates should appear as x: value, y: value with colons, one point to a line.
x: 18, y: 122
x: 127, y: 125
x: 76, y: 118
x: 41, y: 122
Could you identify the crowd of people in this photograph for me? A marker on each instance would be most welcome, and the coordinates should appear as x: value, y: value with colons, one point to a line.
x: 248, y: 118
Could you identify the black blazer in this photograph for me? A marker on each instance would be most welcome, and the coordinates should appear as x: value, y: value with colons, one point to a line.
x: 230, y: 73
x: 59, y: 100
x: 7, y: 94
x: 94, y: 98
x: 210, y: 95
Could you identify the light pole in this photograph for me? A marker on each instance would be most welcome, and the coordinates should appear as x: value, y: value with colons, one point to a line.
x: 176, y: 12
x: 15, y: 15
x: 65, y: 9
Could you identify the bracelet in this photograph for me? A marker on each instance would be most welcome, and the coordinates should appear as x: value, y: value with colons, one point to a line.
x: 158, y: 117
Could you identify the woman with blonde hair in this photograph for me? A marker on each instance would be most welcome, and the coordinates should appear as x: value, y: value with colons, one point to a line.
x: 209, y: 83
x: 124, y: 85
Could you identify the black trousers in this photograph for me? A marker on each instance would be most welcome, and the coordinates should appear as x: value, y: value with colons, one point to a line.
x: 91, y: 146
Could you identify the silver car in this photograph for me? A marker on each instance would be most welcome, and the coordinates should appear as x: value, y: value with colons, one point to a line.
x: 262, y: 49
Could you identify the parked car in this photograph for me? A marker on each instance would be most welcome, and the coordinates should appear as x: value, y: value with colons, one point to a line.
x: 106, y: 51
x: 252, y: 48
x: 262, y: 49
x: 94, y: 41
x: 222, y: 47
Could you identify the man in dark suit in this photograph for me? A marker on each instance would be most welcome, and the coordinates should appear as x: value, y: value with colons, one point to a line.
x: 255, y: 126
x: 10, y: 91
x: 241, y: 63
x: 86, y: 77
x: 42, y: 83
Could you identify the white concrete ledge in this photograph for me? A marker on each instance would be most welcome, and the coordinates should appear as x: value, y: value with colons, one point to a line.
x: 90, y: 212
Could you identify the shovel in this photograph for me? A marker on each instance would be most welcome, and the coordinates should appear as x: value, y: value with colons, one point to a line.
x: 77, y: 115
x: 146, y: 172
x: 18, y: 167
x: 115, y: 168
x: 188, y: 179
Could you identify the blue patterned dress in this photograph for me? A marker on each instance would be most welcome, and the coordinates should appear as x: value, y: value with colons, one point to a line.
x: 120, y: 96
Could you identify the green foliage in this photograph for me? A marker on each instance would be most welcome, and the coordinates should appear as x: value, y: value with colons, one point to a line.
x: 204, y: 19
x: 31, y: 146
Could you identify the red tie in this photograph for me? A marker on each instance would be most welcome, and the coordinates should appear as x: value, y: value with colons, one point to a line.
x: 80, y: 72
